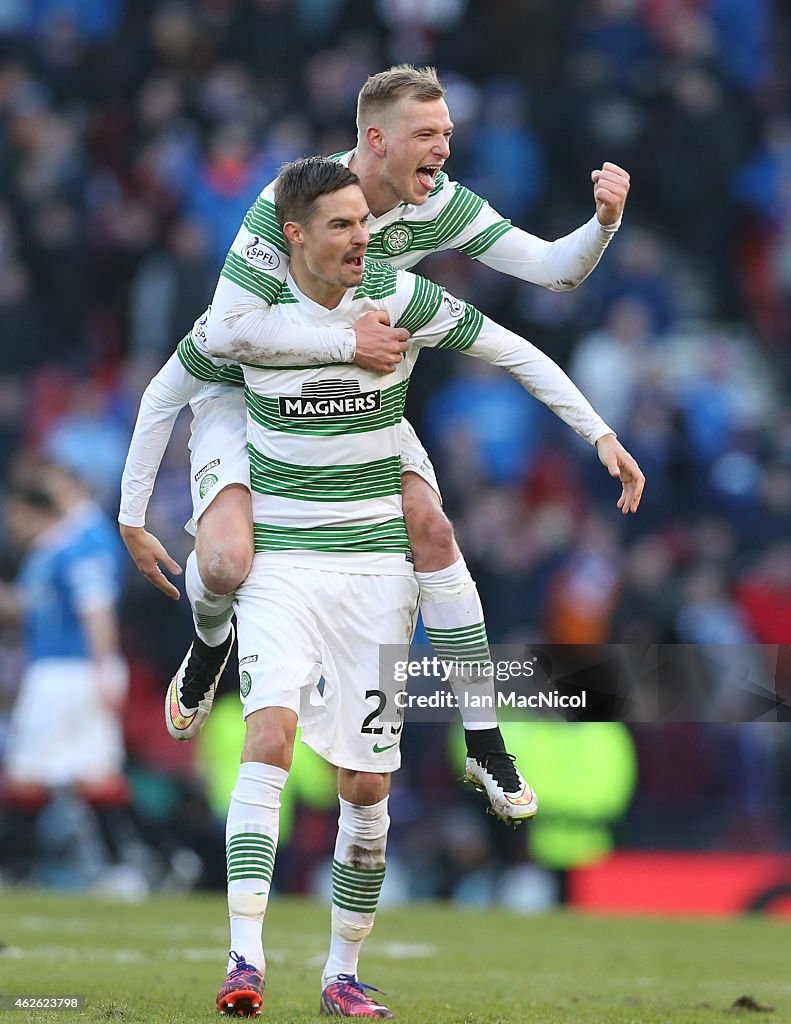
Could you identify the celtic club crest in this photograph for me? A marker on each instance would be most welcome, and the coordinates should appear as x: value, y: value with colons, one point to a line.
x: 397, y: 238
x: 206, y: 484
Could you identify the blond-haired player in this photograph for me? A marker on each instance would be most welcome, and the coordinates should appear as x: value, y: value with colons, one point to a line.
x: 404, y: 131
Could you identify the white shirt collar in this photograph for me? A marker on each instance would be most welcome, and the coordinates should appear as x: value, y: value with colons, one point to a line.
x: 316, y: 307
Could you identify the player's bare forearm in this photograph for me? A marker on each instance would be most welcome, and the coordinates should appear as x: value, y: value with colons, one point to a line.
x: 622, y: 466
x: 148, y: 553
x: 102, y: 634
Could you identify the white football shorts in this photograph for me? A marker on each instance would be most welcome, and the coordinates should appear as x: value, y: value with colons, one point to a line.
x: 299, y: 625
x: 414, y: 457
x: 218, y: 449
x: 60, y: 732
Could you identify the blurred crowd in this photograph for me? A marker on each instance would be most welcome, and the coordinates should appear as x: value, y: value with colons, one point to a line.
x: 134, y: 136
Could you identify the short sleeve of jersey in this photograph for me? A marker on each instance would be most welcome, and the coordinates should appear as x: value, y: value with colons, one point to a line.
x: 258, y: 259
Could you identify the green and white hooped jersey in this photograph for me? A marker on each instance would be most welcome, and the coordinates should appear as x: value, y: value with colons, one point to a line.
x: 323, y: 441
x: 452, y: 217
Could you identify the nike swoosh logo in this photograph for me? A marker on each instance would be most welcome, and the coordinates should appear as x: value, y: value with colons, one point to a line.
x: 381, y: 750
x: 178, y: 721
x: 523, y: 800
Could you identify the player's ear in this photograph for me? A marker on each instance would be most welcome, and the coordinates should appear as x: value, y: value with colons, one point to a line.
x: 293, y: 232
x: 375, y: 137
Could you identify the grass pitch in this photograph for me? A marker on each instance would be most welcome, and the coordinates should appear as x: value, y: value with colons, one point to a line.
x: 162, y: 961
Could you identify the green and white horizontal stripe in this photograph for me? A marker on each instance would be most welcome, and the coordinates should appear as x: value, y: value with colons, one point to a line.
x: 204, y: 369
x: 485, y: 240
x: 250, y: 855
x: 466, y: 331
x: 356, y: 889
x: 388, y: 537
x: 203, y: 621
x: 440, y: 179
x: 354, y: 482
x: 285, y: 296
x: 257, y: 282
x: 380, y: 281
x: 262, y: 221
x: 465, y: 643
x: 422, y: 308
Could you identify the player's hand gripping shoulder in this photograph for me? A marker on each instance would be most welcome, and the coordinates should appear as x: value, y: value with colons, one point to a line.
x: 147, y: 553
x: 621, y: 465
x: 610, y: 189
x: 380, y: 347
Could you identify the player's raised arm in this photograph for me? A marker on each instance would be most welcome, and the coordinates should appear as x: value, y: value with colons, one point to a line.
x: 561, y: 264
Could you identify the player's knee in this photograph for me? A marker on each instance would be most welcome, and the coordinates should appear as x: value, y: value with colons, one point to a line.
x: 364, y: 788
x: 430, y: 536
x: 269, y: 740
x: 269, y: 749
x: 225, y: 566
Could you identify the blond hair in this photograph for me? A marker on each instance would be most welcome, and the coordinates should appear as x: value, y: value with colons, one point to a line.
x: 389, y: 86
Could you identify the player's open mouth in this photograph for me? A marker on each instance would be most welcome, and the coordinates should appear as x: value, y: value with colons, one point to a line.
x: 427, y: 176
x: 355, y: 262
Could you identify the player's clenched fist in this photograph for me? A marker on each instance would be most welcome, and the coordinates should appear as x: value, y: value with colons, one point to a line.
x: 380, y: 347
x: 610, y: 189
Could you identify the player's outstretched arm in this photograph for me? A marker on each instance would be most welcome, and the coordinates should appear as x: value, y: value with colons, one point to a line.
x: 559, y: 265
x: 622, y: 466
x: 457, y: 325
x: 163, y: 399
x: 534, y: 369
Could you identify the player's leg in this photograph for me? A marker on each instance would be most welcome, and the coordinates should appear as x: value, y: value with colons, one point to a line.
x: 454, y: 621
x: 358, y: 871
x: 251, y: 835
x: 222, y: 521
x: 21, y: 803
x: 277, y: 655
x: 360, y: 738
